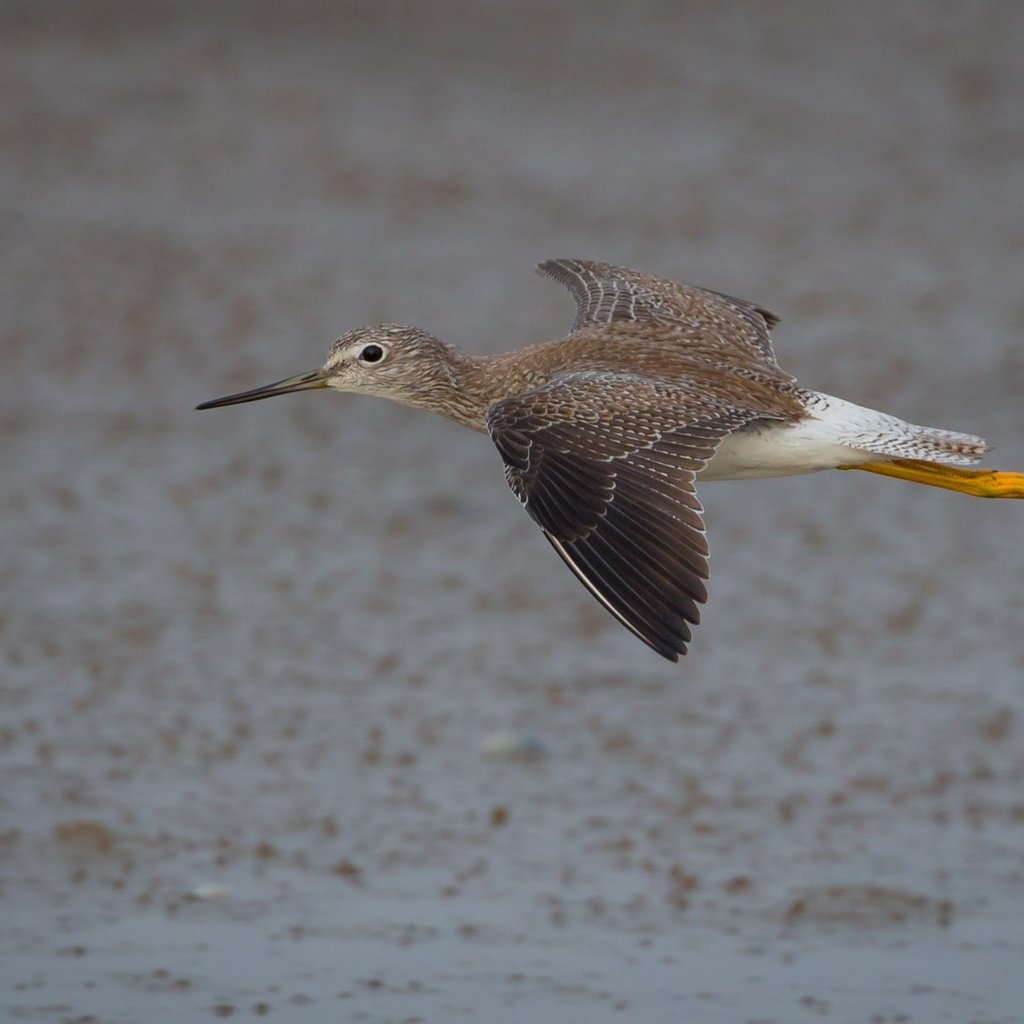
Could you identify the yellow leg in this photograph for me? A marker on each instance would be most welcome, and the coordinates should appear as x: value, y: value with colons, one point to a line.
x: 982, y: 483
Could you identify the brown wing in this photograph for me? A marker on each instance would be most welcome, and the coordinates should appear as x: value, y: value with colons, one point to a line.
x: 710, y: 321
x: 605, y: 464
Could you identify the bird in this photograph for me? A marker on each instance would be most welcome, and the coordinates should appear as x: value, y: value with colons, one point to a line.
x: 605, y: 432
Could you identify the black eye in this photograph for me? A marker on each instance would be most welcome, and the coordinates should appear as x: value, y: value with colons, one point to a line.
x: 371, y: 354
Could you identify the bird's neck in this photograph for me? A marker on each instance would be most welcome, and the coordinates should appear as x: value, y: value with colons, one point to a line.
x: 474, y: 383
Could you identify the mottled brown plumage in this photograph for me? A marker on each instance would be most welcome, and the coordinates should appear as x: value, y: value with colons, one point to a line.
x: 604, y: 432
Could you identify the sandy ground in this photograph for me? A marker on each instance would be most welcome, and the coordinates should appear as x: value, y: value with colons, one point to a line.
x: 252, y: 658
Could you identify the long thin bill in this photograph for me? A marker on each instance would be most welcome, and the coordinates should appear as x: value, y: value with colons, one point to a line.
x: 302, y: 382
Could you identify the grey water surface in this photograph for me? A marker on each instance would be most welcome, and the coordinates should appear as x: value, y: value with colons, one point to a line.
x: 300, y: 718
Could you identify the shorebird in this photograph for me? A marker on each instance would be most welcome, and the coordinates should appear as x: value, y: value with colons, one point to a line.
x: 604, y: 432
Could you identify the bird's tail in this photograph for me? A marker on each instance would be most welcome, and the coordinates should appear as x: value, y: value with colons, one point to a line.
x: 907, y: 451
x: 940, y: 458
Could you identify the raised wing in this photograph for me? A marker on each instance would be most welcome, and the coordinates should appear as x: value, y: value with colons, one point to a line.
x: 605, y: 465
x: 706, y: 320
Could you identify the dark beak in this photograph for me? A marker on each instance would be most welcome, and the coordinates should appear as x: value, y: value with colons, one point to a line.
x: 303, y: 382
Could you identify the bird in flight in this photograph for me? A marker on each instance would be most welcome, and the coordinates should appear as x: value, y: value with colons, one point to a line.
x: 605, y: 432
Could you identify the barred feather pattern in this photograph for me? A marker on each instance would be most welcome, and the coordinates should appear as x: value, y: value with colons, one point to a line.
x: 605, y: 464
x: 868, y: 430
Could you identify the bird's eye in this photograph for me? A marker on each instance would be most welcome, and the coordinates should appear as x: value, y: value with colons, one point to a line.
x: 371, y: 354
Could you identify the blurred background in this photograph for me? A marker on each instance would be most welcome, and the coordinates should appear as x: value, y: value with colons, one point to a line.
x: 301, y: 718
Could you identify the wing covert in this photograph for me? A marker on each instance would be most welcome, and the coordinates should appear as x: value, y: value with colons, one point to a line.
x: 606, y: 468
x: 712, y: 321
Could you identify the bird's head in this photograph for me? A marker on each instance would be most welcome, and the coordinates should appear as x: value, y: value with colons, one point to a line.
x: 405, y: 364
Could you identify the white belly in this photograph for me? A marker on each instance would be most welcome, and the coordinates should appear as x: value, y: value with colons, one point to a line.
x: 835, y: 433
x: 781, y: 450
